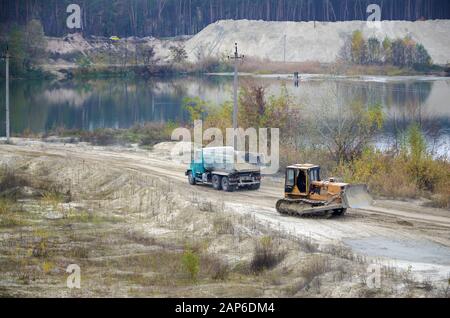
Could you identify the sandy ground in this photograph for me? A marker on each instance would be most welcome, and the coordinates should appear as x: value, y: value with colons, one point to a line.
x: 305, y: 41
x: 401, y: 234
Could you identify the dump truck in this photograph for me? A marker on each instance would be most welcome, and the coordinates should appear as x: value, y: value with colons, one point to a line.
x: 220, y: 168
x: 306, y: 195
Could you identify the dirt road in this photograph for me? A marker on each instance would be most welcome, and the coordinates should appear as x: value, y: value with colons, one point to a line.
x: 399, y: 233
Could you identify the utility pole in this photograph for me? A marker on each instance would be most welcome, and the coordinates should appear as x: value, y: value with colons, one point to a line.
x: 284, y: 49
x: 235, y: 58
x: 7, y: 95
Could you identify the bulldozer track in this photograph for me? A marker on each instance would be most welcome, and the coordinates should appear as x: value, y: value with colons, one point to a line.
x: 296, y: 207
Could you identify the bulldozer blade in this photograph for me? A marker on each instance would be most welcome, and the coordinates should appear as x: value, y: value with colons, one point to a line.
x: 357, y: 197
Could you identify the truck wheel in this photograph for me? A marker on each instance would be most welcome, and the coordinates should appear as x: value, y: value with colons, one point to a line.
x: 226, y: 185
x: 255, y: 186
x: 217, y: 182
x: 191, y: 178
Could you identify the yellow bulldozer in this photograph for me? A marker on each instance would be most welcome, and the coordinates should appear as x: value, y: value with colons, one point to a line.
x: 306, y: 195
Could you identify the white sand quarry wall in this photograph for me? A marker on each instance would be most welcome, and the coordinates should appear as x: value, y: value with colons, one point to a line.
x: 308, y: 42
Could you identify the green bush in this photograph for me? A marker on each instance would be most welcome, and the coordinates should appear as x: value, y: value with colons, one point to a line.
x: 191, y: 264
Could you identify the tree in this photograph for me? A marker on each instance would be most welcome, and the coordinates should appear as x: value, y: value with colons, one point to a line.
x: 167, y: 18
x: 345, y: 54
x: 178, y: 53
x: 196, y: 107
x: 345, y: 130
x: 359, y: 48
x: 398, y: 53
x: 409, y: 47
x: 35, y: 41
x: 255, y: 110
x: 373, y: 51
x: 387, y: 51
x: 422, y: 56
x: 17, y: 50
x: 84, y: 62
x: 252, y: 102
x: 147, y: 53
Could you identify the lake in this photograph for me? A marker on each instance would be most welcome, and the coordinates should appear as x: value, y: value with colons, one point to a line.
x: 40, y: 106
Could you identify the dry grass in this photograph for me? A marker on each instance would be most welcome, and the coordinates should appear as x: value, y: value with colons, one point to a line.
x: 145, y: 134
x: 11, y: 214
x: 400, y: 176
x: 307, y: 244
x: 218, y: 269
x: 223, y: 225
x: 264, y: 66
x: 6, y: 206
x: 79, y: 252
x: 10, y: 179
x: 266, y: 255
x: 10, y: 220
x: 130, y: 257
x: 315, y: 265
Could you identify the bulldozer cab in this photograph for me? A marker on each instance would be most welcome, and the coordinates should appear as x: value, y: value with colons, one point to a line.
x: 299, y: 179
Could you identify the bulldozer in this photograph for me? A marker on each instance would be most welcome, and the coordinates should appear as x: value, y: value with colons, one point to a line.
x: 306, y: 195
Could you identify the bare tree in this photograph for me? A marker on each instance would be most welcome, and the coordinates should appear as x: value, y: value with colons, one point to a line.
x: 178, y: 53
x: 146, y: 53
x: 345, y: 129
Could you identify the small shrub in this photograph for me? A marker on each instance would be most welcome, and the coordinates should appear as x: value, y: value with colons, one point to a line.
x: 191, y: 264
x: 40, y: 248
x: 206, y: 206
x: 307, y: 244
x: 149, y: 134
x: 5, y: 206
x: 223, y: 226
x: 219, y: 270
x: 314, y: 266
x: 411, y: 173
x: 53, y: 198
x: 266, y: 255
x: 100, y: 137
x: 47, y: 266
x: 445, y: 290
x: 442, y: 197
x: 341, y: 252
x: 80, y: 252
x: 9, y: 179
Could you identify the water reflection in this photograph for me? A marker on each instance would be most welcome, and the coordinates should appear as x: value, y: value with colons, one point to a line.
x: 39, y: 106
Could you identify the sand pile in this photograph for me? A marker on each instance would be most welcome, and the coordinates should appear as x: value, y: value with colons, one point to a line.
x: 306, y: 41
